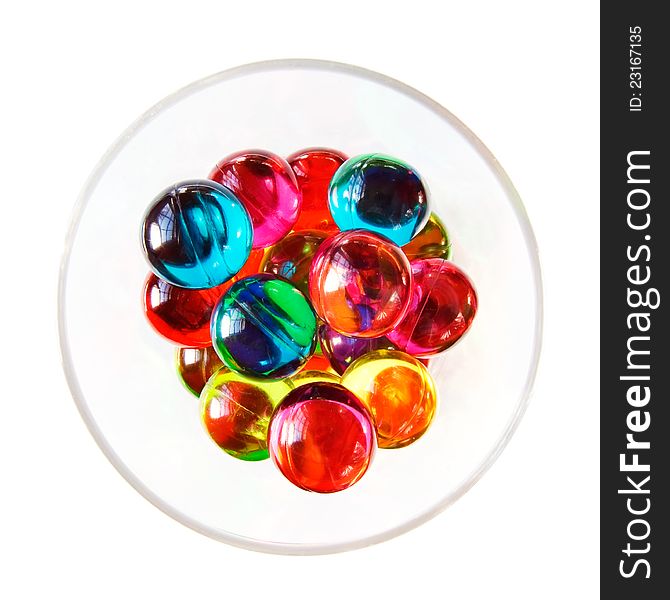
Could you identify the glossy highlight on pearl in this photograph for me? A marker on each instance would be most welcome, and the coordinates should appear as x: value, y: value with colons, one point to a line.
x: 379, y: 193
x: 291, y: 258
x: 342, y: 350
x: 442, y: 308
x: 399, y: 393
x: 314, y: 168
x: 321, y: 437
x: 180, y: 315
x: 236, y: 411
x: 360, y: 283
x: 196, y: 234
x: 195, y: 366
x: 264, y: 327
x: 267, y: 186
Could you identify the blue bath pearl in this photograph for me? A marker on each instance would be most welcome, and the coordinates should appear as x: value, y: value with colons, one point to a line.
x: 381, y: 194
x: 264, y: 326
x: 197, y: 234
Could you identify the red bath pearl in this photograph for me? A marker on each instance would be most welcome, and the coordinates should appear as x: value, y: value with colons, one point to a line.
x: 181, y: 315
x: 441, y: 309
x: 321, y: 437
x: 267, y: 186
x: 314, y: 168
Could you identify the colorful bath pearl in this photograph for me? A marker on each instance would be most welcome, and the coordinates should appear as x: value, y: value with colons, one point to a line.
x: 431, y: 242
x: 443, y: 305
x: 321, y: 437
x: 195, y: 366
x: 236, y: 411
x: 381, y: 194
x: 342, y: 350
x: 360, y: 283
x: 196, y: 234
x: 306, y: 297
x: 314, y: 168
x: 264, y: 326
x: 399, y: 393
x: 267, y: 186
x: 292, y: 257
x: 180, y: 315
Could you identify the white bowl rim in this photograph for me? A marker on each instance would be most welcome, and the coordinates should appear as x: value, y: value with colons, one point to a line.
x: 71, y: 376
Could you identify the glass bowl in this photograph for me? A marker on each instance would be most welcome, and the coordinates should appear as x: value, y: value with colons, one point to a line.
x: 122, y: 374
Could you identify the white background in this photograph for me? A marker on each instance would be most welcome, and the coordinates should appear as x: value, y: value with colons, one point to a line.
x: 522, y: 76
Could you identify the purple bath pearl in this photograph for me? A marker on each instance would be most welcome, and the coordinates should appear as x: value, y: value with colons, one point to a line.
x: 341, y: 350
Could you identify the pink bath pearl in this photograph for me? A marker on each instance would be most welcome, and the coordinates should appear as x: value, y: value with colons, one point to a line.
x: 441, y: 309
x: 267, y: 186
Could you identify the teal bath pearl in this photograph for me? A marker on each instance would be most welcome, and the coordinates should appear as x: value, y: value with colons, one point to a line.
x: 197, y: 234
x: 264, y: 327
x: 381, y: 194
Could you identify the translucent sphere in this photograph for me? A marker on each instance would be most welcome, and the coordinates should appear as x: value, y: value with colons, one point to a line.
x: 399, y: 393
x: 196, y: 234
x: 264, y: 326
x: 360, y: 283
x: 441, y: 311
x: 322, y: 438
x: 381, y: 194
x: 236, y: 411
x: 267, y: 186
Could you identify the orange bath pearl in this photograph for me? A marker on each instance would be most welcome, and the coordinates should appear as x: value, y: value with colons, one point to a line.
x: 399, y: 393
